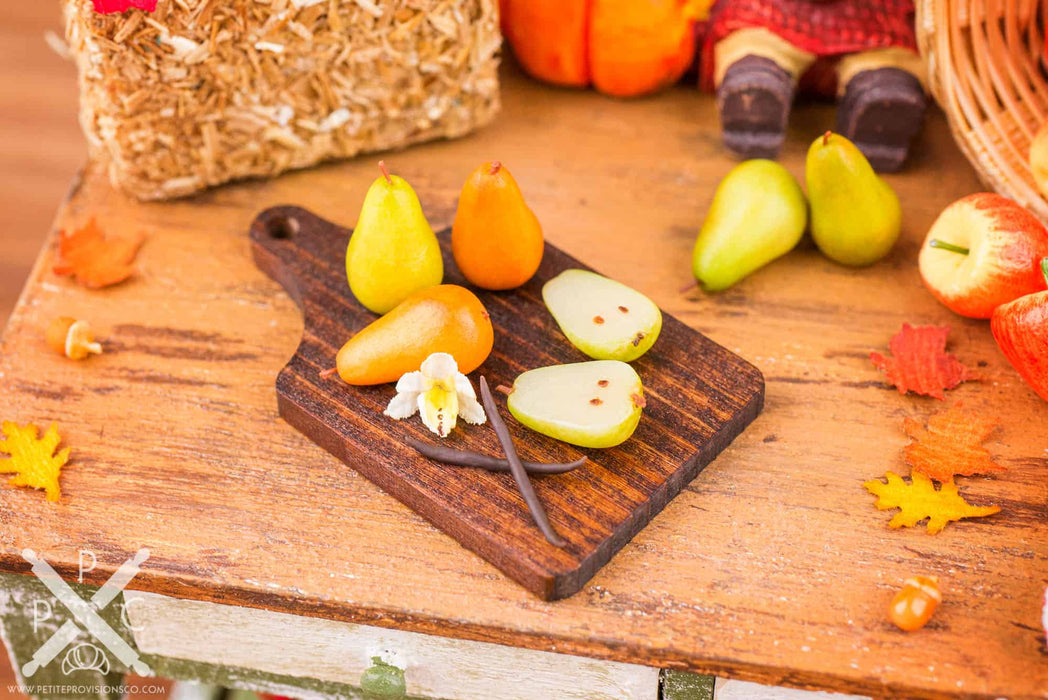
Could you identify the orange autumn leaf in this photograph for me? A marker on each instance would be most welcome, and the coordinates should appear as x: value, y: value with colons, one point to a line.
x: 919, y: 362
x: 33, y: 460
x: 96, y: 260
x: 919, y: 500
x: 951, y: 445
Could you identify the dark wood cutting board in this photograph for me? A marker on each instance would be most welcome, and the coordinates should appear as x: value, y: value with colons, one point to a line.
x: 699, y: 397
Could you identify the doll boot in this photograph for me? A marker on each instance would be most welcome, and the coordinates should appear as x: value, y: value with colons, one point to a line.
x: 880, y: 112
x: 754, y: 100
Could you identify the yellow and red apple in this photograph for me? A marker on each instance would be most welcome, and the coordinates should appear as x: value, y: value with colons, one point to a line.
x: 984, y: 250
x: 1020, y: 328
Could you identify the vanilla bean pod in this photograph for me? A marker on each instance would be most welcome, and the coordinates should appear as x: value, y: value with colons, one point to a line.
x: 476, y: 460
x: 517, y: 469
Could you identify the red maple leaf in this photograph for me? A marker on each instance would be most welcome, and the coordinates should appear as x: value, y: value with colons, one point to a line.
x: 919, y: 362
x: 108, y: 7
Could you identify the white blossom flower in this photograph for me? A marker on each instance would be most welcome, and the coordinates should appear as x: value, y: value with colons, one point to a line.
x: 439, y: 393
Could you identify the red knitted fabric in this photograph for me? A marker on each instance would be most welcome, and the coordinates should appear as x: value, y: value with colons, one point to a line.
x: 107, y: 7
x: 822, y: 28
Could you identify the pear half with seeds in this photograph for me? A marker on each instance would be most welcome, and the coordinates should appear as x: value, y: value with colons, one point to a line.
x: 601, y: 317
x: 589, y: 404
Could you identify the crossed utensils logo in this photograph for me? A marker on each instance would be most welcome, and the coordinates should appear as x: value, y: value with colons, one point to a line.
x: 86, y: 613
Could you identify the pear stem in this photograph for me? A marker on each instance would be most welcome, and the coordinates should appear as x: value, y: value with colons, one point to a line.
x: 936, y: 243
x: 496, y: 166
x: 1044, y: 269
x: 385, y: 173
x: 826, y: 138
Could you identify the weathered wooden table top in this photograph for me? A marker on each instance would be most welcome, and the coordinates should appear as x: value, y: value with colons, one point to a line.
x: 773, y: 565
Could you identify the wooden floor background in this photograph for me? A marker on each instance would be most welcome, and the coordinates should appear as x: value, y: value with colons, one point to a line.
x: 41, y: 149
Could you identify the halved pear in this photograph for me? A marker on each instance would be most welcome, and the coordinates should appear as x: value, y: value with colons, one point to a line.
x: 601, y: 317
x: 589, y: 404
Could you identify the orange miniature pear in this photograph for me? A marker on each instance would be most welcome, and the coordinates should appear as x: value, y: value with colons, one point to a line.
x: 446, y: 318
x: 496, y: 239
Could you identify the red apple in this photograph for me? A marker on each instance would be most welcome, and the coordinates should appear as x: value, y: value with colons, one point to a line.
x: 1021, y: 330
x: 983, y: 251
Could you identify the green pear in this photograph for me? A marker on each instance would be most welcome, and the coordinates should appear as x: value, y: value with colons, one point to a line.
x: 758, y: 214
x: 601, y: 317
x: 393, y: 251
x: 589, y: 404
x: 855, y: 215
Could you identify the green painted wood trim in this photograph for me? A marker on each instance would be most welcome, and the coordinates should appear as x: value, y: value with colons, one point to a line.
x: 18, y: 596
x: 256, y: 681
x: 680, y: 685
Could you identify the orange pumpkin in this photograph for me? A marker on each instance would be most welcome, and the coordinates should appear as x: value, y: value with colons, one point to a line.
x: 623, y: 48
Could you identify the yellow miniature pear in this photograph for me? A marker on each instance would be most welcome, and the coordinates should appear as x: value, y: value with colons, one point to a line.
x: 393, y: 251
x: 855, y: 214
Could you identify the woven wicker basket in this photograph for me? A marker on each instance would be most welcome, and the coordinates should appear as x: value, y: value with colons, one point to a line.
x: 201, y: 92
x: 986, y: 76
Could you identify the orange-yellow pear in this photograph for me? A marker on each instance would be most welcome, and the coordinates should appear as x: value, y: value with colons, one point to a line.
x: 496, y: 239
x: 446, y: 318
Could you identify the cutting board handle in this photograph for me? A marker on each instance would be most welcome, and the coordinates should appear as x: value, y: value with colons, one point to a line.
x: 294, y: 246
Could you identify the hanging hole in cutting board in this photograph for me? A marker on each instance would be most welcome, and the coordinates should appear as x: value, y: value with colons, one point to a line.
x: 282, y: 227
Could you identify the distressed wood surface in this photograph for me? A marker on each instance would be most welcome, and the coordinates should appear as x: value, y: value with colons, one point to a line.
x: 699, y: 398
x: 339, y: 652
x: 772, y: 566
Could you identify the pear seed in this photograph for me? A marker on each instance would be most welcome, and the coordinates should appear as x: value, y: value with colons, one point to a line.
x: 602, y: 383
x: 624, y: 309
x: 598, y: 320
x: 596, y: 401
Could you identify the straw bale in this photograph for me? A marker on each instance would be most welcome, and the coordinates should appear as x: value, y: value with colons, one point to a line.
x: 202, y: 92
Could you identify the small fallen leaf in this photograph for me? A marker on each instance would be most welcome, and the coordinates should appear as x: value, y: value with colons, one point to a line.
x: 33, y: 461
x: 919, y: 499
x: 919, y: 362
x: 96, y: 260
x: 107, y: 7
x: 951, y: 445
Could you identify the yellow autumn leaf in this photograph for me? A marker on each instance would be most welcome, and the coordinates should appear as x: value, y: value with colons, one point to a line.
x: 919, y: 499
x: 33, y: 461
